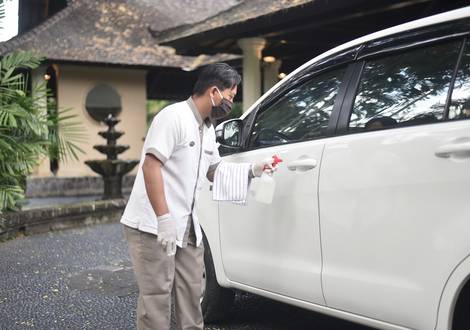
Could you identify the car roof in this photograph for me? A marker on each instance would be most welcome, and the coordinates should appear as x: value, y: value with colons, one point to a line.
x: 423, y: 22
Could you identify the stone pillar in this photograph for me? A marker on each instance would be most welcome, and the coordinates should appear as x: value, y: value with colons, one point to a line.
x: 252, y: 48
x: 271, y: 73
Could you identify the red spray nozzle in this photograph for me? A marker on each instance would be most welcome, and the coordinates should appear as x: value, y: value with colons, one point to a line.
x: 276, y: 160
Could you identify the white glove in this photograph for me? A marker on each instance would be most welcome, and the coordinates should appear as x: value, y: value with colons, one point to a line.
x: 257, y: 169
x: 167, y: 233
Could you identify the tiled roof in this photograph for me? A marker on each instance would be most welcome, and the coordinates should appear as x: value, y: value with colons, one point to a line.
x: 245, y: 11
x: 115, y: 32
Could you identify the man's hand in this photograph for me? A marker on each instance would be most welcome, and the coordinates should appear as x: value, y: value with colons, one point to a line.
x: 258, y: 168
x: 167, y: 233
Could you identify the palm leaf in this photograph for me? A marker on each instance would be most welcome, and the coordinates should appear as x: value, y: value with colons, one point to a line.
x: 9, y: 194
x: 64, y: 134
x: 26, y: 130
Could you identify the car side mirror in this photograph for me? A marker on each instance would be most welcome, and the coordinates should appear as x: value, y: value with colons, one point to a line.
x: 229, y: 134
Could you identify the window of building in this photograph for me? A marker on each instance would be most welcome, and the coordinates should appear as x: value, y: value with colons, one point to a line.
x: 101, y: 101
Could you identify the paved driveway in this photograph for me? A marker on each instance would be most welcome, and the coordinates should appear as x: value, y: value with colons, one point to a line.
x: 82, y: 279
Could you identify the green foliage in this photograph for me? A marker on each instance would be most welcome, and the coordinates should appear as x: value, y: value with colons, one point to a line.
x: 237, y: 111
x: 154, y: 107
x: 64, y: 134
x: 27, y: 132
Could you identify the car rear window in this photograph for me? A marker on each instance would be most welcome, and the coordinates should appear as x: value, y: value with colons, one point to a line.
x: 404, y: 89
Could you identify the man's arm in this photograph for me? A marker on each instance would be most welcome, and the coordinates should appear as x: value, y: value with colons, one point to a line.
x: 154, y: 184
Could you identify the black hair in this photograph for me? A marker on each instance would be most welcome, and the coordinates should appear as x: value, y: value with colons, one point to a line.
x: 221, y: 75
x: 385, y: 121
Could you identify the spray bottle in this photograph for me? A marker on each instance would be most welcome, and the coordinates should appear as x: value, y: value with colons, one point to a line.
x: 266, y: 184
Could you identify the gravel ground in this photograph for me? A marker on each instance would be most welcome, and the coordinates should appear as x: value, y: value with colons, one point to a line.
x: 82, y: 279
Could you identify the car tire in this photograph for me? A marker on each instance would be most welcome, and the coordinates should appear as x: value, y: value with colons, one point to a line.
x: 461, y: 319
x: 216, y: 301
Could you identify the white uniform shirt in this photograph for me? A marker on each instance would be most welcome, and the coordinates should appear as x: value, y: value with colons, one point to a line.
x: 174, y: 138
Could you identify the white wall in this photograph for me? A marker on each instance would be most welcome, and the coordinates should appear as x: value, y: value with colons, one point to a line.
x: 74, y: 83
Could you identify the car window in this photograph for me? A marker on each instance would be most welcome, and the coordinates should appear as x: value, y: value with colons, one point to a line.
x: 300, y: 114
x: 404, y: 89
x: 460, y: 102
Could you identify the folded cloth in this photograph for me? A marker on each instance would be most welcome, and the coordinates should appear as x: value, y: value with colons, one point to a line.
x: 231, y: 182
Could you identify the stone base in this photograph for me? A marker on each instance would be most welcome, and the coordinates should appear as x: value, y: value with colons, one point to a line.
x: 71, y: 186
x: 13, y: 224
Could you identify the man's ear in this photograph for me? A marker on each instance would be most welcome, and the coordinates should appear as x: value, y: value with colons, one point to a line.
x: 213, y: 91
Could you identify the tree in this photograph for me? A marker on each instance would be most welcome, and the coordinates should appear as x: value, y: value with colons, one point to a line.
x: 27, y: 131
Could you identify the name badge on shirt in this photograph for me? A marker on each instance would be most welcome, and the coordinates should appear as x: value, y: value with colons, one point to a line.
x: 209, y: 152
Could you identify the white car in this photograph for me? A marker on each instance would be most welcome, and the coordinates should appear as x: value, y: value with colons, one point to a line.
x: 370, y: 220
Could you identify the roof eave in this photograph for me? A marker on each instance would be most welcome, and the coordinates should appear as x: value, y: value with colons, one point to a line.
x: 182, y: 40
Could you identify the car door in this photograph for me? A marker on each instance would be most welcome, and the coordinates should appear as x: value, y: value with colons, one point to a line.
x: 276, y: 247
x: 395, y: 189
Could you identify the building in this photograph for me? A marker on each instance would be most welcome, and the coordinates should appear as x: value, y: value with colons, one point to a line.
x: 101, y: 57
x: 275, y: 37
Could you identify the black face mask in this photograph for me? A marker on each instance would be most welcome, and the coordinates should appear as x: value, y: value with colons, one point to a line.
x: 222, y: 110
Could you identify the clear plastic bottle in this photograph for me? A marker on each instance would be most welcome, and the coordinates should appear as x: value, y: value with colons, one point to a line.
x: 266, y: 185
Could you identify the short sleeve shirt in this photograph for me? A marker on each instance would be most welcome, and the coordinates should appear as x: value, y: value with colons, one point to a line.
x: 186, y: 146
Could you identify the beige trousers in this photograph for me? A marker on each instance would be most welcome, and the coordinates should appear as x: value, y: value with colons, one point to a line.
x: 157, y: 273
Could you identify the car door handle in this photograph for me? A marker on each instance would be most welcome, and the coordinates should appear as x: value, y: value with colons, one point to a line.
x: 302, y: 164
x: 457, y: 149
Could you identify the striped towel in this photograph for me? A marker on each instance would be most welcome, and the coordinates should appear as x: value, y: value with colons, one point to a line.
x: 231, y: 182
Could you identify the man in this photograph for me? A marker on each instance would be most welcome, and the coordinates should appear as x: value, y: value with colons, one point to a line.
x: 160, y: 224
